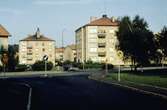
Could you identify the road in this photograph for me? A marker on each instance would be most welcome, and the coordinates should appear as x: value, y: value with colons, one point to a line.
x: 76, y: 93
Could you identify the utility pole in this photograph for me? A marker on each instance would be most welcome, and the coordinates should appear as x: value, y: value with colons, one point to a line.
x: 106, y: 67
x: 62, y: 43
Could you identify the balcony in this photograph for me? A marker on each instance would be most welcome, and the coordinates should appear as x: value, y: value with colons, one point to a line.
x: 101, y: 50
x: 29, y: 47
x: 101, y: 54
x: 29, y: 53
x: 101, y: 45
x: 101, y: 41
x: 101, y: 35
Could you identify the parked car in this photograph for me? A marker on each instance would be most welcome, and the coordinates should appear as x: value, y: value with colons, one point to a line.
x: 73, y: 69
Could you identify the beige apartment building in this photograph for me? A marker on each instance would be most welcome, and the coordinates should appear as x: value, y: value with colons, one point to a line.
x: 70, y: 53
x: 34, y: 47
x: 59, y: 52
x: 4, y: 34
x: 97, y: 41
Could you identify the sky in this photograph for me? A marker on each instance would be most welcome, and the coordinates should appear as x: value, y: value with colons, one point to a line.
x: 22, y: 17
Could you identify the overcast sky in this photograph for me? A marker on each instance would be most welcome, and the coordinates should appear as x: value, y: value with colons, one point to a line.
x: 22, y: 17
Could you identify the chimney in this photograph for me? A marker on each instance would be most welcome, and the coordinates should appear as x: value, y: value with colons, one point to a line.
x: 104, y: 16
x: 93, y: 18
x: 113, y: 19
x: 38, y: 33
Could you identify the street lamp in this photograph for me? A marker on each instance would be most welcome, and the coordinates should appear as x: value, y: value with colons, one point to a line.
x: 106, y: 67
x: 63, y: 42
x: 120, y: 54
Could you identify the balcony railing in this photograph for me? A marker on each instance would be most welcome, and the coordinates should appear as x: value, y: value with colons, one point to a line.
x: 101, y: 45
x: 101, y: 41
x: 101, y: 54
x: 101, y: 35
x: 101, y: 50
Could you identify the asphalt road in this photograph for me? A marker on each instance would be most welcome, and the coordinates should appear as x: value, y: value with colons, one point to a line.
x: 74, y: 93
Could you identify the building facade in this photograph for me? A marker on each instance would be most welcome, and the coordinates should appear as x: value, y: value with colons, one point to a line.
x: 70, y: 53
x: 97, y: 40
x: 4, y: 35
x: 59, y: 53
x: 34, y: 47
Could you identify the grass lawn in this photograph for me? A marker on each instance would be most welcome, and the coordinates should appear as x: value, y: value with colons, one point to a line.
x: 156, y: 80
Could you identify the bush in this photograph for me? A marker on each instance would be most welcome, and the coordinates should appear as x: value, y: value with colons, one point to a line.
x: 1, y: 68
x: 89, y: 65
x: 58, y: 63
x: 109, y: 66
x: 40, y: 66
x: 20, y: 67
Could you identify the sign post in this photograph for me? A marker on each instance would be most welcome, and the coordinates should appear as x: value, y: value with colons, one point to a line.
x: 4, y: 61
x: 45, y: 58
x: 120, y: 54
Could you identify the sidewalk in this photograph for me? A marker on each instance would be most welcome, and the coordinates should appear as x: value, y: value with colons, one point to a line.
x: 40, y: 74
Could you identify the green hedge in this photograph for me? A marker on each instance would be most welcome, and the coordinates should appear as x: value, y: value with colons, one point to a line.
x: 20, y: 67
x: 1, y: 68
x: 40, y: 66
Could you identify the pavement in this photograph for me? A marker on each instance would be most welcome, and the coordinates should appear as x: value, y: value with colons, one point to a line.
x: 41, y: 74
x: 76, y: 92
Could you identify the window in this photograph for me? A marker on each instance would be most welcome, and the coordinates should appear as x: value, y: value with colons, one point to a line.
x: 101, y: 45
x: 93, y: 31
x: 50, y: 43
x: 93, y: 36
x: 29, y: 53
x: 112, y: 31
x: 29, y: 59
x: 92, y: 40
x: 43, y: 50
x: 93, y: 45
x: 111, y: 49
x: 93, y: 50
x: 23, y: 49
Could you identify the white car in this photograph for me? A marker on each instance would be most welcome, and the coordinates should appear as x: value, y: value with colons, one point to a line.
x: 73, y: 69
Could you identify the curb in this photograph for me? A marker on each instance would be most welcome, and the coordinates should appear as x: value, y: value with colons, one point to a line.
x: 147, y: 85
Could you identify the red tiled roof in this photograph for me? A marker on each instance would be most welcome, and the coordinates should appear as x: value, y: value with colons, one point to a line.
x: 34, y: 38
x: 3, y: 32
x: 104, y: 21
x: 59, y: 50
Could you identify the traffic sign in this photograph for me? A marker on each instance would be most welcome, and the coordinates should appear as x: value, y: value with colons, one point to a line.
x: 45, y: 57
x: 120, y: 54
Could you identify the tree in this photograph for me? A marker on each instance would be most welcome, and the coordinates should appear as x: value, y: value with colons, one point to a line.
x: 13, y: 59
x: 3, y: 57
x: 163, y: 40
x: 136, y: 40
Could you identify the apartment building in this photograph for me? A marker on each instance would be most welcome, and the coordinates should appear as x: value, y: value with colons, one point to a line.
x: 97, y: 41
x: 34, y: 47
x: 59, y: 53
x: 70, y: 53
x: 4, y: 34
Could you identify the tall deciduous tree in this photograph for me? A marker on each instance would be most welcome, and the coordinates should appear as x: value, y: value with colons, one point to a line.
x: 136, y: 40
x: 163, y: 41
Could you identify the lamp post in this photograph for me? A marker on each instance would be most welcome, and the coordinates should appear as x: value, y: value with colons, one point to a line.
x: 62, y: 43
x: 106, y: 67
x: 120, y: 54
